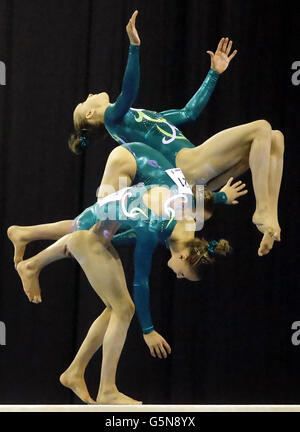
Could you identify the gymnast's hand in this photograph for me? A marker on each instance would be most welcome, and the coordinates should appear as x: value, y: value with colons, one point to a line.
x: 157, y: 344
x: 132, y: 31
x: 221, y: 59
x: 233, y: 191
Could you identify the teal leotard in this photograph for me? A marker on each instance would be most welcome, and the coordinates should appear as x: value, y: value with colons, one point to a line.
x: 158, y: 130
x: 151, y: 166
x: 146, y: 228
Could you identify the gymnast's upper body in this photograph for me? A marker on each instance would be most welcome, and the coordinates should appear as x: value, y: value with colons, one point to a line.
x: 126, y: 124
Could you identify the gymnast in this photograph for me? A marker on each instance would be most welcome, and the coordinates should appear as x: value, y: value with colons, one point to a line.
x: 143, y: 165
x: 151, y: 212
x: 227, y: 154
x: 185, y: 263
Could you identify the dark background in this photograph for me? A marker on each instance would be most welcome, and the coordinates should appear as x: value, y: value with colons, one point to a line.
x: 231, y: 333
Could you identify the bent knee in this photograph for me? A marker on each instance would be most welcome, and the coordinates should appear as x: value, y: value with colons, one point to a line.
x: 121, y: 160
x: 78, y: 240
x: 262, y: 125
x: 126, y: 310
x: 277, y: 141
x: 278, y: 135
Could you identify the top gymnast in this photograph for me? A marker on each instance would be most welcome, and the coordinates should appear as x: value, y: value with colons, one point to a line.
x: 227, y: 154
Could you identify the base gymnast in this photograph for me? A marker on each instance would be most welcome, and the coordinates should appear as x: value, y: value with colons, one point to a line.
x: 151, y: 212
x: 135, y: 163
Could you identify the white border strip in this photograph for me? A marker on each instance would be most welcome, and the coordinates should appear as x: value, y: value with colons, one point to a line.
x: 149, y: 408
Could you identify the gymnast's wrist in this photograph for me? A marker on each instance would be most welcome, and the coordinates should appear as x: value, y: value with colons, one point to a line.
x: 133, y: 46
x: 220, y: 197
x: 214, y: 73
x: 148, y: 330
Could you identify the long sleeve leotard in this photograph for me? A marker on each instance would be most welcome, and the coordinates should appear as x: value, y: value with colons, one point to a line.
x: 158, y: 130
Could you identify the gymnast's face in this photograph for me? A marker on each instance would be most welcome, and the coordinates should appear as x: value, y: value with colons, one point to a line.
x: 182, y: 268
x: 92, y: 108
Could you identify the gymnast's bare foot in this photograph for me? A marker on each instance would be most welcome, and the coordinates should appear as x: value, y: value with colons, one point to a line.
x: 266, y: 225
x: 75, y: 381
x: 17, y: 235
x: 265, y: 245
x: 116, y: 398
x: 30, y: 280
x: 277, y: 230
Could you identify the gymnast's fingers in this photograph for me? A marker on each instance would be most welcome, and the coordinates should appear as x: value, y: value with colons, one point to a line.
x: 243, y: 192
x: 236, y: 184
x: 133, y: 18
x: 240, y: 186
x: 232, y: 55
x: 229, y: 47
x: 163, y: 351
x: 229, y: 182
x: 224, y: 44
x: 219, y: 47
x: 152, y: 351
x: 157, y: 351
x: 167, y: 346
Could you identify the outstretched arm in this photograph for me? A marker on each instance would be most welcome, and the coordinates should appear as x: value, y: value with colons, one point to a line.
x: 131, y: 78
x: 219, y: 63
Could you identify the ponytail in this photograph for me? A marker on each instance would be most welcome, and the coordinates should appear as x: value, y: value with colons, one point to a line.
x: 204, y: 252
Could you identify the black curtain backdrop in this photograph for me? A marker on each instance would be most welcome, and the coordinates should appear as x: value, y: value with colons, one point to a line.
x: 231, y: 333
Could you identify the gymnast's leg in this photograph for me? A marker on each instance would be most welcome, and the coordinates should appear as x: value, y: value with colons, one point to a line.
x: 92, y: 255
x: 119, y: 172
x: 29, y: 270
x: 275, y: 176
x: 20, y: 236
x: 274, y: 182
x: 73, y: 377
x: 228, y: 149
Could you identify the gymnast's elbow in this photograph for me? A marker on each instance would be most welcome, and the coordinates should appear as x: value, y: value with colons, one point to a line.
x: 190, y: 115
